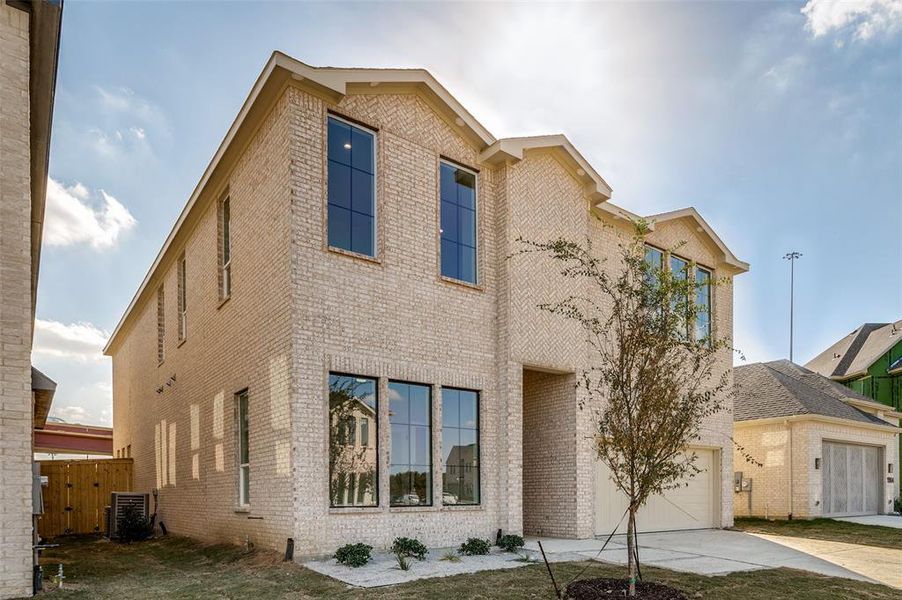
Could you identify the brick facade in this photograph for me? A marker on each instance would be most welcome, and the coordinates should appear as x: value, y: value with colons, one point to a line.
x: 15, y: 307
x: 300, y: 310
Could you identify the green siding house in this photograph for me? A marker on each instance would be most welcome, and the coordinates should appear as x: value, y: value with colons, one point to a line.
x: 869, y: 361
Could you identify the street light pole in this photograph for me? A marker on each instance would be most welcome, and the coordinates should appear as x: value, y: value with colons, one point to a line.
x: 791, y: 257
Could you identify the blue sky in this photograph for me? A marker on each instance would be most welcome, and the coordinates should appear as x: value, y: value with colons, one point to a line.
x: 780, y: 122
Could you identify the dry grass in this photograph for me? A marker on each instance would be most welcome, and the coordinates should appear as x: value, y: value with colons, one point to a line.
x: 826, y: 529
x: 180, y: 568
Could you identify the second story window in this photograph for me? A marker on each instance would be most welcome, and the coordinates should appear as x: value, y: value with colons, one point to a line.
x: 183, y: 298
x: 161, y: 326
x: 351, y: 211
x: 458, y: 223
x: 679, y: 270
x: 703, y: 304
x: 225, y: 248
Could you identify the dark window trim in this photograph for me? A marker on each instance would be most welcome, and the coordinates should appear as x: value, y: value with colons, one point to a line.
x: 457, y: 163
x: 377, y: 494
x: 478, y: 446
x: 352, y: 121
x: 477, y: 247
x: 431, y: 389
x: 376, y: 255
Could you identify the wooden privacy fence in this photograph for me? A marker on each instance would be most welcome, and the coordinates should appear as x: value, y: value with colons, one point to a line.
x: 77, y: 492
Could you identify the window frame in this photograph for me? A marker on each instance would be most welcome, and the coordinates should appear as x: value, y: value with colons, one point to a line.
x: 431, y: 425
x: 224, y: 246
x: 161, y: 325
x: 375, y: 256
x: 710, y: 303
x: 477, y: 279
x: 182, y: 279
x: 478, y: 449
x: 242, y: 428
x: 377, y: 503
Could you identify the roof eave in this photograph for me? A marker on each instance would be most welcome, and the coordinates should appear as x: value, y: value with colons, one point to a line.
x: 729, y: 259
x: 887, y: 428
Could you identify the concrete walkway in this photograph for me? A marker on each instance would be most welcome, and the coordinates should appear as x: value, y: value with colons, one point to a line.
x: 881, y: 520
x: 705, y: 552
x: 880, y: 564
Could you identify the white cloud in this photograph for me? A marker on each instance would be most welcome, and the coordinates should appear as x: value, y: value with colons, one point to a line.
x: 70, y: 220
x: 866, y: 18
x: 82, y: 341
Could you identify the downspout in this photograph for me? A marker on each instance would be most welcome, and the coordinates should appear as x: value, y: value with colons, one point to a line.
x: 788, y: 424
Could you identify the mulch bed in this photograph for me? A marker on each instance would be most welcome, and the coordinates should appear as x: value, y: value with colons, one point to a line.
x: 593, y: 589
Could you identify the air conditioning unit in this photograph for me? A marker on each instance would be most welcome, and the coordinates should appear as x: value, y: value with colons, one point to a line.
x: 118, y: 502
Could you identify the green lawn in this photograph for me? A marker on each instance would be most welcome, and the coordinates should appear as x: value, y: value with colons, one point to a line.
x: 826, y: 529
x: 180, y: 568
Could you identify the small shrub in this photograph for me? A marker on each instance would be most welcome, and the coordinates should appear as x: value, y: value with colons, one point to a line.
x: 450, y: 557
x: 897, y: 505
x: 475, y: 547
x: 409, y: 548
x: 133, y: 526
x: 402, y: 561
x: 511, y: 543
x: 353, y: 555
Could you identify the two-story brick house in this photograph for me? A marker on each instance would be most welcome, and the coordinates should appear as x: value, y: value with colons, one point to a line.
x: 334, y: 346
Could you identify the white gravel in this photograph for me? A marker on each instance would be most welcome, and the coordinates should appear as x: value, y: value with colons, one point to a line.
x: 383, y: 568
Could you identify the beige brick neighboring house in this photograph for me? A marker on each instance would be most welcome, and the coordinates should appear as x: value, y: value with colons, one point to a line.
x: 28, y: 55
x: 392, y: 316
x: 823, y: 449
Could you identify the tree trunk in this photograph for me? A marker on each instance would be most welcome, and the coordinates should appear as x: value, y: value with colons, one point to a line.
x: 630, y: 541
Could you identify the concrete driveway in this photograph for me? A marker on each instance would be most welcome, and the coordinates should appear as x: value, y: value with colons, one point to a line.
x: 706, y: 552
x: 881, y: 520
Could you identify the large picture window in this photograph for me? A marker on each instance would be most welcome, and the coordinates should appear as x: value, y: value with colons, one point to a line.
x: 353, y: 457
x: 458, y: 223
x: 460, y: 446
x: 410, y: 415
x: 351, y: 188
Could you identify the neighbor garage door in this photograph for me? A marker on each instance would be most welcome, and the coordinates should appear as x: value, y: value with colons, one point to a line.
x: 851, y: 480
x: 692, y: 506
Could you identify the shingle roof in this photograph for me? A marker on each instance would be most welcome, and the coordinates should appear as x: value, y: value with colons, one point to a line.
x: 783, y: 389
x: 857, y: 351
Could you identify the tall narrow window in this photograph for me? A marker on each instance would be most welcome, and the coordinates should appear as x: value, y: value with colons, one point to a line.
x: 351, y: 188
x: 458, y: 222
x: 161, y: 326
x: 679, y: 270
x: 703, y: 304
x: 410, y: 415
x: 244, y: 461
x: 460, y: 446
x: 183, y: 298
x: 225, y: 248
x: 353, y: 466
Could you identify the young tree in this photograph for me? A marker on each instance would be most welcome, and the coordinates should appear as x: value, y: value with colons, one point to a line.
x: 653, y: 376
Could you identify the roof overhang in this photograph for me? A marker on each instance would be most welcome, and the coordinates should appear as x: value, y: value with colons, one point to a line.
x: 71, y: 438
x: 817, y: 418
x: 509, y: 150
x: 42, y: 390
x: 690, y: 213
x: 45, y: 20
x: 872, y: 406
x: 618, y: 213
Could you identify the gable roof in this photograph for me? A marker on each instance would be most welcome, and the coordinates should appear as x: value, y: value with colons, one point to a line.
x: 854, y: 354
x: 689, y: 212
x: 783, y: 389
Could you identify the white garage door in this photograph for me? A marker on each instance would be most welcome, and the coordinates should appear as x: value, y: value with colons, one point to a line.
x: 851, y: 480
x: 692, y: 506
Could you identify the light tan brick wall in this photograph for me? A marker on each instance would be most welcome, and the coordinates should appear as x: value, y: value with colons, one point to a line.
x: 15, y: 308
x: 241, y: 343
x: 393, y: 318
x: 549, y: 456
x: 770, y: 444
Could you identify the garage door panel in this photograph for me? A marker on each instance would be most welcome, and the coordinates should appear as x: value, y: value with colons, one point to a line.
x: 690, y: 506
x: 850, y: 479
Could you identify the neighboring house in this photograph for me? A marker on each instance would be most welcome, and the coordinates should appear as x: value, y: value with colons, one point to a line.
x: 824, y: 449
x: 345, y: 254
x: 29, y: 41
x: 868, y: 360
